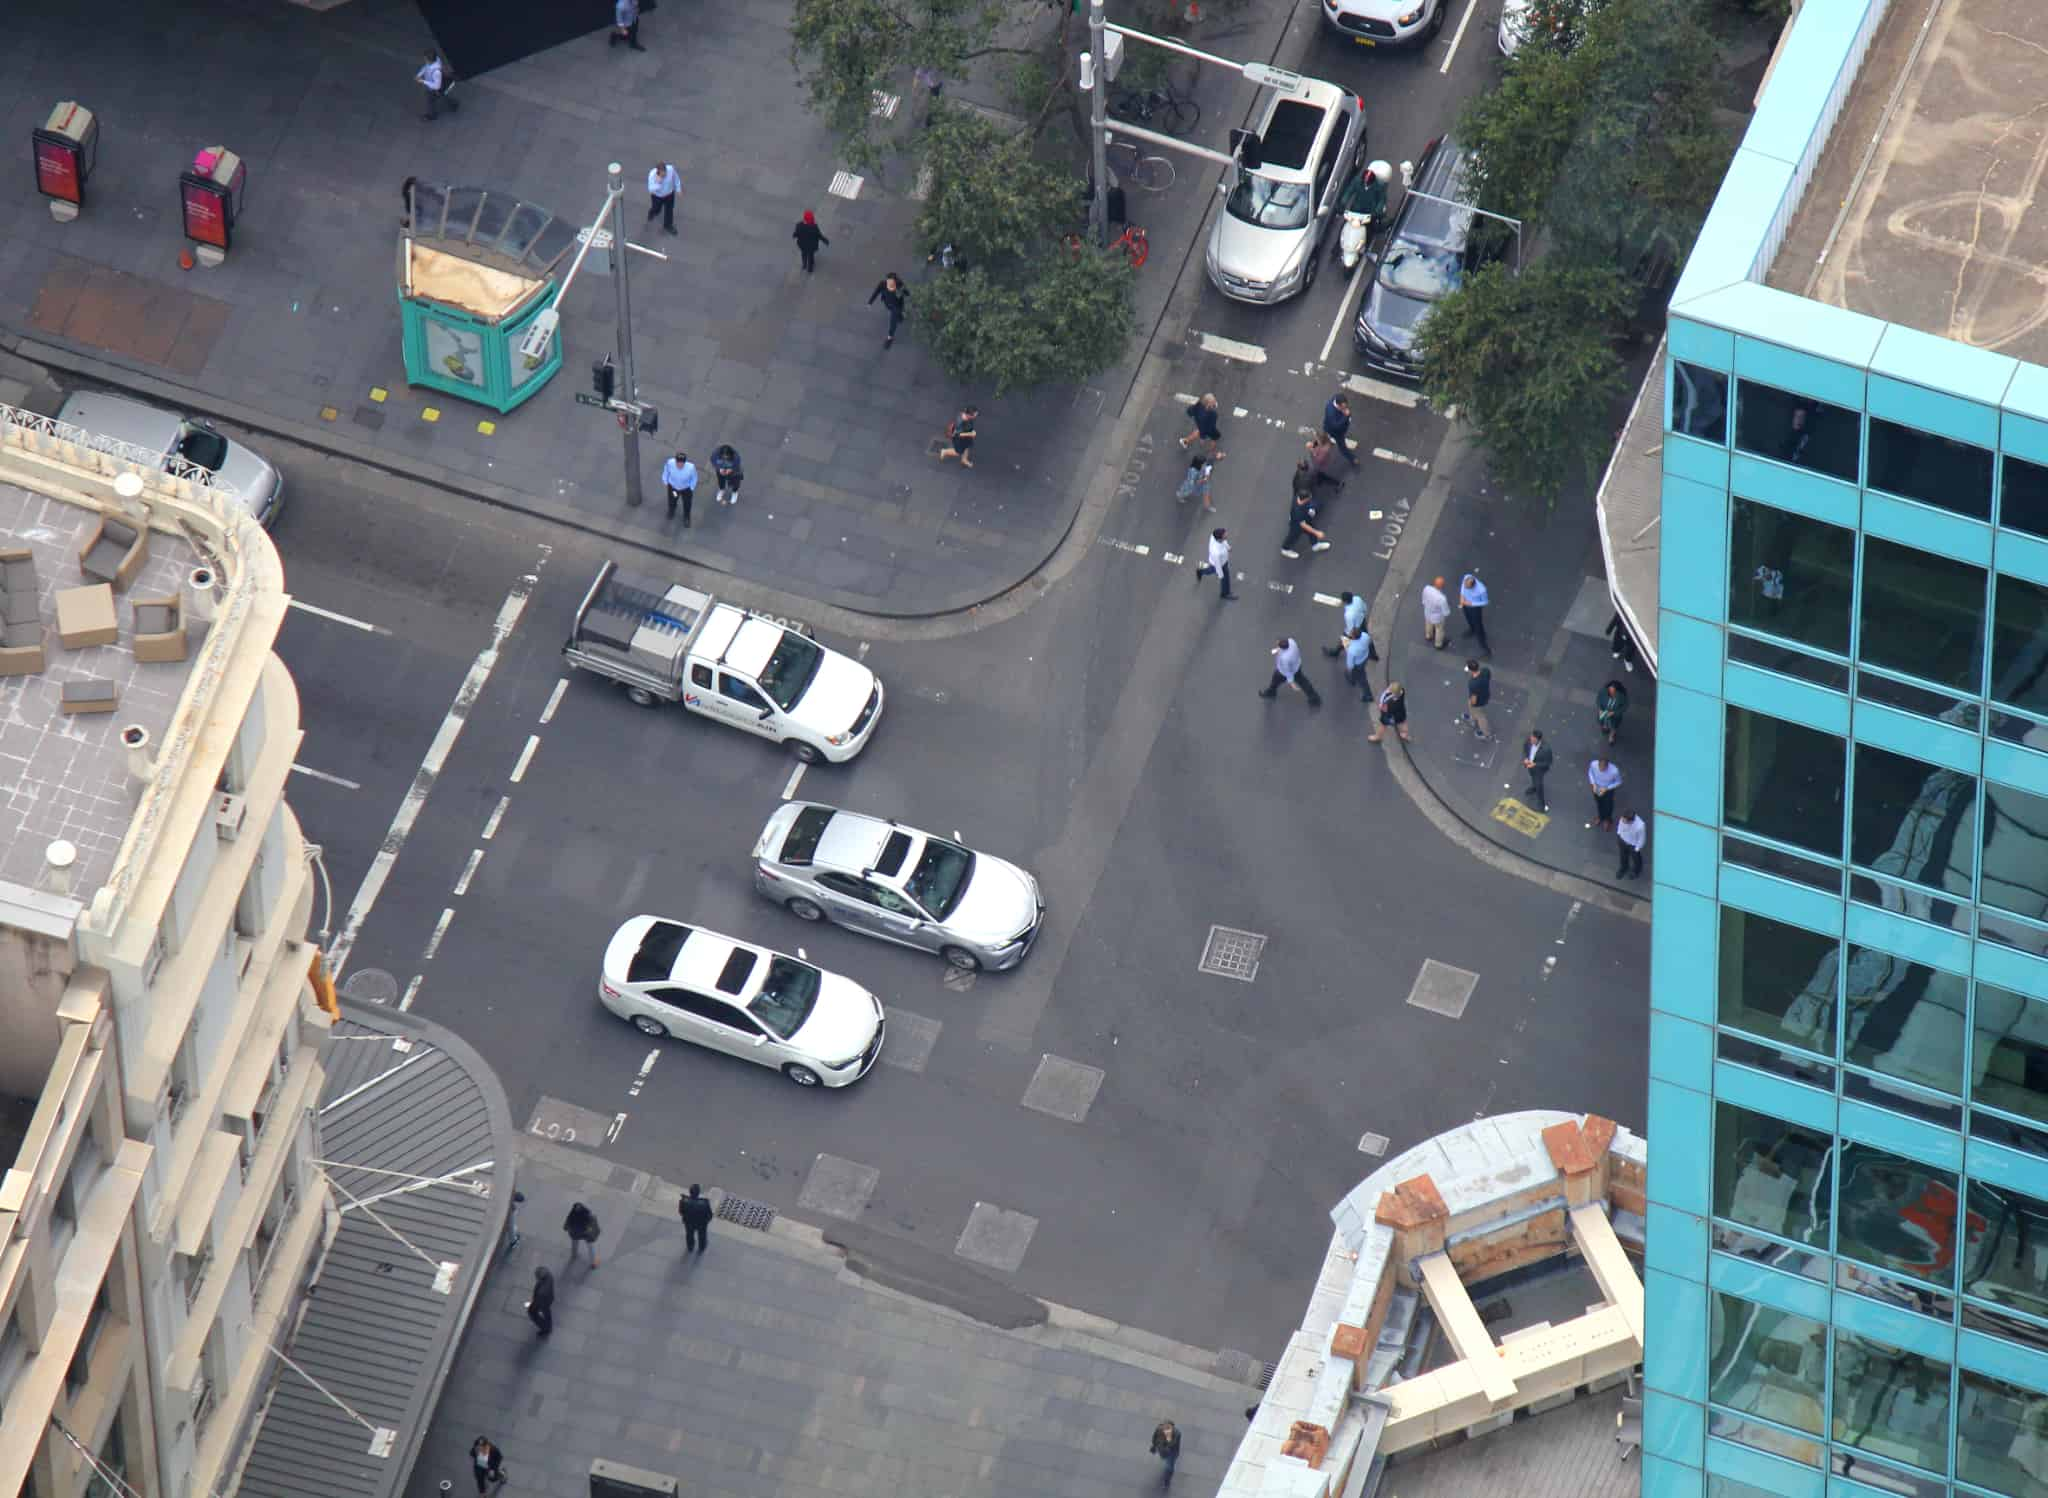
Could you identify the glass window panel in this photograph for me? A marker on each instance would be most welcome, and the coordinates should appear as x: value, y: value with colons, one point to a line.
x: 2019, y: 645
x: 1778, y: 980
x: 1745, y: 1052
x: 1885, y: 1477
x: 1791, y: 575
x: 1797, y: 429
x: 1888, y: 1092
x: 1784, y: 781
x: 1785, y: 865
x: 1922, y: 614
x: 1897, y: 1214
x: 1771, y: 1174
x: 2015, y: 851
x: 1902, y: 899
x: 2002, y: 1436
x: 1994, y: 1322
x: 1769, y: 655
x: 1891, y: 1402
x: 1793, y: 1448
x: 1728, y: 1487
x: 1873, y: 686
x: 1985, y: 1124
x: 2007, y: 1258
x: 1934, y: 470
x: 1815, y: 1266
x: 2009, y: 1059
x: 2023, y: 502
x: 1767, y: 1362
x: 1912, y: 820
x: 1699, y: 402
x: 2014, y: 729
x: 1907, y: 1295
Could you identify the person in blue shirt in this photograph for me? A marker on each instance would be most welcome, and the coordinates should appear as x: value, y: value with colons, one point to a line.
x: 1472, y: 601
x: 680, y: 475
x: 1357, y: 651
x: 1354, y: 620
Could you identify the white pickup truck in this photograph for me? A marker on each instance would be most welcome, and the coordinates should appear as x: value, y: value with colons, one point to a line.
x: 669, y: 643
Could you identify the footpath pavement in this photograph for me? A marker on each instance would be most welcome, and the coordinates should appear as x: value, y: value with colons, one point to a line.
x: 845, y: 501
x: 773, y: 1365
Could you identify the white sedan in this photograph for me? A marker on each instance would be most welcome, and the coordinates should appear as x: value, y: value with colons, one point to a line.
x: 816, y: 1028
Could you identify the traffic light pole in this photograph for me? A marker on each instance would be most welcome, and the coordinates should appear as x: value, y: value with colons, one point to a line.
x: 629, y: 426
x: 1098, y: 112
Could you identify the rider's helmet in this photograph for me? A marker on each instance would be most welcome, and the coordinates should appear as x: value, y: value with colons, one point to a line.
x: 1379, y: 171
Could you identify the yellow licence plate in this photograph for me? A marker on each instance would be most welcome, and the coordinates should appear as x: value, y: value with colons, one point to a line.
x: 1365, y: 41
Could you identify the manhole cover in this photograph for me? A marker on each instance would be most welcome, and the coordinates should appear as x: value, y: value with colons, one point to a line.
x: 840, y: 1187
x: 370, y: 985
x: 911, y: 1038
x: 958, y: 979
x: 747, y: 1214
x: 1373, y: 1144
x: 1230, y: 953
x: 996, y: 1236
x: 1443, y: 989
x: 1065, y: 1089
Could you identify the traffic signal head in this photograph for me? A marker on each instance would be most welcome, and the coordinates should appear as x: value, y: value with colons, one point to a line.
x: 604, y: 377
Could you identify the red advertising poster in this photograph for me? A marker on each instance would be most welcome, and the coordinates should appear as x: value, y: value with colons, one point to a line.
x: 57, y: 170
x: 206, y: 218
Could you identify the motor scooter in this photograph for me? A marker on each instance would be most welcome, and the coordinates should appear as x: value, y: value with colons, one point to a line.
x: 1355, y: 232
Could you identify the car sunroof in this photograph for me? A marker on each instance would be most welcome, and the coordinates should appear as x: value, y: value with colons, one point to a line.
x: 894, y: 851
x: 733, y: 976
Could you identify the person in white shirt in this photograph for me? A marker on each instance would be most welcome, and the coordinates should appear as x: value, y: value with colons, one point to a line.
x: 1436, y: 613
x: 1286, y: 653
x: 1218, y: 564
x: 1630, y: 834
x: 434, y: 79
x: 680, y: 475
x: 664, y: 184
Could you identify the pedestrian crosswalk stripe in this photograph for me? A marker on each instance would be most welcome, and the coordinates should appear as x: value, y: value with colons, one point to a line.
x: 1231, y: 348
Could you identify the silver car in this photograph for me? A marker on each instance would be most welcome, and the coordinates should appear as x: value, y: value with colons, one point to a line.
x: 1281, y: 197
x: 168, y: 436
x: 892, y: 881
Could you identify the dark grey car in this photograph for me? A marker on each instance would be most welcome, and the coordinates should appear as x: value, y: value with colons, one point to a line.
x: 1425, y: 258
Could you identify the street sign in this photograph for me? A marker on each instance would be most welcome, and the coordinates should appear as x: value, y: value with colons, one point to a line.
x: 1265, y: 77
x: 585, y: 398
x: 602, y: 240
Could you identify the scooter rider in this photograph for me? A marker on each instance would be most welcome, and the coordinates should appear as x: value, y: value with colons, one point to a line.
x: 1367, y: 193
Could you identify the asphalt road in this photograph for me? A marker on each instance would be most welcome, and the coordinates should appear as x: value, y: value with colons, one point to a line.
x: 1107, y: 737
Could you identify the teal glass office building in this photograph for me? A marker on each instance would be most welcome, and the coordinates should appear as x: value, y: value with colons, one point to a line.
x: 1847, y: 1261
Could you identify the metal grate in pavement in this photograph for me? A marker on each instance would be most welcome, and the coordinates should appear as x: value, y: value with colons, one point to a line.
x: 846, y: 185
x: 1443, y: 989
x: 1266, y: 1372
x: 1373, y: 1144
x: 1230, y: 953
x: 883, y: 106
x: 746, y: 1214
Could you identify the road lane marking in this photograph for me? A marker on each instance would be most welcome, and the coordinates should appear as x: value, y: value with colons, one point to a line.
x: 1380, y: 390
x: 1230, y: 348
x: 1345, y: 305
x: 554, y: 701
x: 411, y: 989
x: 640, y: 1080
x: 468, y: 873
x: 497, y: 816
x: 611, y: 1135
x: 1329, y: 598
x: 1394, y: 457
x: 313, y: 608
x: 440, y: 930
x: 345, y: 784
x: 430, y: 768
x: 525, y: 758
x: 1458, y: 36
x: 795, y: 777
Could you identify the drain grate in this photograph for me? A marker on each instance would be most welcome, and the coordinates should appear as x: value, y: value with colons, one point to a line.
x: 1443, y: 989
x: 1373, y: 1144
x: 1266, y: 1372
x: 747, y: 1214
x: 1230, y: 953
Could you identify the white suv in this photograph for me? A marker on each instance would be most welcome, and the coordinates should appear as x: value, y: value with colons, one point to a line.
x: 1385, y: 23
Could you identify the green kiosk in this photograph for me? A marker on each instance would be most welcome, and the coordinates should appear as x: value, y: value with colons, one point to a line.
x: 475, y: 268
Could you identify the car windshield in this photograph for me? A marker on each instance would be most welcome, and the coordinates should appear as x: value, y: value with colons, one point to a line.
x: 941, y: 876
x: 790, y: 669
x: 788, y: 995
x: 208, y: 449
x: 1423, y: 274
x: 1269, y: 202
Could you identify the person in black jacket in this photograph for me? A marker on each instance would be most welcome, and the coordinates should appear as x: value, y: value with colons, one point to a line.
x: 581, y: 1226
x: 893, y: 294
x: 695, y: 1210
x: 489, y: 1463
x: 540, y: 1306
x: 808, y: 237
x: 1204, y: 414
x: 725, y: 462
x: 1166, y: 1446
x: 1537, y: 760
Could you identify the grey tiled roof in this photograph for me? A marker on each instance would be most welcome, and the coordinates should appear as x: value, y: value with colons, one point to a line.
x: 405, y: 1096
x: 1631, y: 506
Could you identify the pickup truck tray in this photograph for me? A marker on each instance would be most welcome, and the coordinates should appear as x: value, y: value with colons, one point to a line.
x: 636, y: 629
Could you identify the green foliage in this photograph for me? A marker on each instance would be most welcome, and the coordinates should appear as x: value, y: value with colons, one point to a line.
x: 845, y: 51
x: 1024, y: 310
x: 1530, y: 361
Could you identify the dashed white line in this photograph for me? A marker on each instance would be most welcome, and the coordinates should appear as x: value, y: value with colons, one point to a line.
x: 497, y: 816
x: 795, y: 778
x: 1230, y: 348
x: 468, y: 873
x: 525, y: 758
x: 411, y: 989
x: 1142, y: 550
x: 1240, y: 412
x: 345, y: 784
x: 554, y: 701
x: 440, y: 930
x: 1344, y: 305
x: 646, y: 1067
x: 328, y: 614
x: 1458, y: 36
x: 430, y: 768
x: 1172, y: 558
x: 611, y: 1135
x: 1394, y: 457
x: 1330, y: 598
x: 1380, y: 390
x: 1279, y: 587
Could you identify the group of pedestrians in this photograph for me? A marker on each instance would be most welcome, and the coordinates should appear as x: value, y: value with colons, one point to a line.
x: 693, y: 1207
x: 1603, y: 780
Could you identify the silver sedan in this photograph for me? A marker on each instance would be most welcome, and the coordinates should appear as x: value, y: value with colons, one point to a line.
x: 888, y: 880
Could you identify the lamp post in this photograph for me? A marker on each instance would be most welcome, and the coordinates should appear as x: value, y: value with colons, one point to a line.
x: 1098, y: 116
x: 629, y: 424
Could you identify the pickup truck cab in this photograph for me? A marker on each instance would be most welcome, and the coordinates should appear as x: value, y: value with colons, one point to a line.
x: 1281, y: 197
x: 765, y: 676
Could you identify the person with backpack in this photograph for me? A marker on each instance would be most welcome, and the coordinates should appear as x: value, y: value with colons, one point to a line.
x: 1393, y: 705
x: 1203, y: 413
x: 960, y: 435
x: 581, y: 1226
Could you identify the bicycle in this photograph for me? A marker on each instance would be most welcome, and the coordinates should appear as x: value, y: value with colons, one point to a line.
x: 1135, y: 247
x: 1128, y: 164
x: 1175, y: 113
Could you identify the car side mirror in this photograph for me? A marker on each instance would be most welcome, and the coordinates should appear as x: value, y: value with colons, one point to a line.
x: 760, y: 1040
x: 767, y: 713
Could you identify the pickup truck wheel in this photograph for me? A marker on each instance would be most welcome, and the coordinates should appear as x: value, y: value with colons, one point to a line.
x: 961, y: 958
x: 803, y: 1076
x: 648, y: 1025
x: 640, y: 696
x: 804, y: 910
x: 810, y: 754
